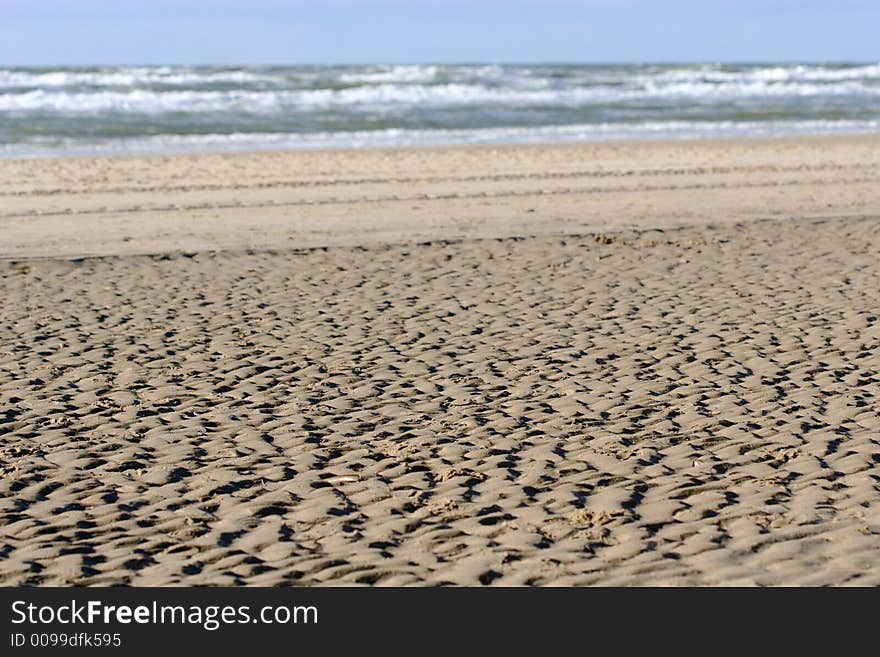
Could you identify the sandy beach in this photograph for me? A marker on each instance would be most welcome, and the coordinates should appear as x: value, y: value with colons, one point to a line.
x: 631, y: 363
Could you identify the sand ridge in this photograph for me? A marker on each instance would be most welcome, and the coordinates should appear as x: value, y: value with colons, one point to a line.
x: 657, y: 406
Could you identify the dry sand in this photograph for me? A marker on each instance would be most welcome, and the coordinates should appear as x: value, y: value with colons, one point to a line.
x: 647, y: 363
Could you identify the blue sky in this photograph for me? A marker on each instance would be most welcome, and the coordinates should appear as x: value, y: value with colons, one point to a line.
x: 115, y: 32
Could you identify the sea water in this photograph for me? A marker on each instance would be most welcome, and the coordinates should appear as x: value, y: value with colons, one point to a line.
x: 162, y: 109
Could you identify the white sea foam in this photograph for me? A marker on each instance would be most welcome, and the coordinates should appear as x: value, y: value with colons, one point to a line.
x: 795, y: 73
x: 41, y: 146
x: 128, y: 77
x: 424, y: 74
x: 392, y: 74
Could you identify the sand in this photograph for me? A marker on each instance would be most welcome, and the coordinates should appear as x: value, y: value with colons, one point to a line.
x: 618, y: 364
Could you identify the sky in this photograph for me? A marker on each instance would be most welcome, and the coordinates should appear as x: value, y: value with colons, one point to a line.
x: 131, y: 32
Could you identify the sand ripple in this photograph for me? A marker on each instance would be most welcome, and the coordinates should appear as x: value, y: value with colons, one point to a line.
x: 694, y: 406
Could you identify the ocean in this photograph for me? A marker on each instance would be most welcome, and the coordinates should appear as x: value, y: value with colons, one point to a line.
x: 165, y: 109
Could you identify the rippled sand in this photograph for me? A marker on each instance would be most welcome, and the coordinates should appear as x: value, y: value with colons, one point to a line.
x: 680, y: 389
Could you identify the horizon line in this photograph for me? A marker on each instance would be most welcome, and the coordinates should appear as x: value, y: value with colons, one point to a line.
x: 641, y: 62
